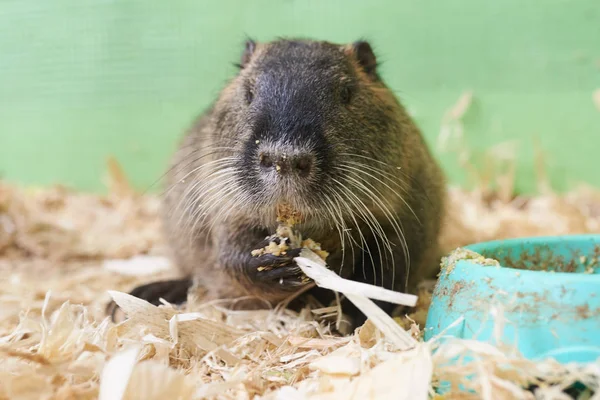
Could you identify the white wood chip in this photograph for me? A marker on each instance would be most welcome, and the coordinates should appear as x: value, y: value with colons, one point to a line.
x: 116, y: 374
x: 314, y: 267
x: 328, y: 279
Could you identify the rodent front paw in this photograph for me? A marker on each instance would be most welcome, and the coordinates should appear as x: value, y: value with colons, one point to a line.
x: 279, y: 271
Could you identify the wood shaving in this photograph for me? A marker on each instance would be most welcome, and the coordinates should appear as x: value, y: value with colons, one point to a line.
x: 56, y: 342
x: 452, y: 129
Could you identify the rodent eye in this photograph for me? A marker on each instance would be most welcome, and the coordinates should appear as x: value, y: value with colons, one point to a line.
x: 249, y: 95
x: 346, y: 94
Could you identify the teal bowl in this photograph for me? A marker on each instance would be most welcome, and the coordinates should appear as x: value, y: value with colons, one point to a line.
x: 548, y: 289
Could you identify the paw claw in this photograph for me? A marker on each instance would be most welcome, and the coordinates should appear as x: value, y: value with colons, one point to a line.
x: 281, y: 270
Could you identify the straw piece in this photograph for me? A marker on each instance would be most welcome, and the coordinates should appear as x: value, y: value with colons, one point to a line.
x: 56, y: 342
x: 325, y: 278
x: 596, y: 98
x: 116, y: 374
x: 190, y: 330
x: 314, y: 267
x: 393, y: 378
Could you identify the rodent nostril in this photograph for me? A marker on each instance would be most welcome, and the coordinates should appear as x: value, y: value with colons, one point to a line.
x: 303, y: 165
x: 266, y: 161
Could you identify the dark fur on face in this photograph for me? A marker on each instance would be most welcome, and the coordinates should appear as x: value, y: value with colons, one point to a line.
x: 316, y: 101
x: 310, y: 124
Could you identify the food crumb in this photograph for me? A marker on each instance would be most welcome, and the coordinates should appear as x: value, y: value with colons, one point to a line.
x: 289, y: 240
x: 277, y: 249
x: 285, y: 238
x: 287, y: 215
x: 315, y: 247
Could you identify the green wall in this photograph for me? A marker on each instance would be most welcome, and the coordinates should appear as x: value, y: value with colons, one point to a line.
x: 84, y: 79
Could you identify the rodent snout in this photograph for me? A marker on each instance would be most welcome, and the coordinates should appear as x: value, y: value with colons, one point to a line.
x: 300, y: 163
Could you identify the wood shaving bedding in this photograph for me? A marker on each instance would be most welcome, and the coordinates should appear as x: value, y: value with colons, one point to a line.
x: 61, y: 252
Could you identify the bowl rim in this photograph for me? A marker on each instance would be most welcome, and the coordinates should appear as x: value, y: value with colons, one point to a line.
x: 477, y: 247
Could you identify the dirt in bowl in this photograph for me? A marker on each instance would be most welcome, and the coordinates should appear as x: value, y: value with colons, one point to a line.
x: 449, y: 262
x: 548, y: 258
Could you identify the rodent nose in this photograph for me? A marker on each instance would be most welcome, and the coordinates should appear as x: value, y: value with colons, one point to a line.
x: 300, y: 164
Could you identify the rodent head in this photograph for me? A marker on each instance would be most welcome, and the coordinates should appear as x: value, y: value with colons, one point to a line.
x: 300, y: 117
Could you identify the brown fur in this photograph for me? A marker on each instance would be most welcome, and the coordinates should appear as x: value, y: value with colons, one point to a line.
x: 216, y: 252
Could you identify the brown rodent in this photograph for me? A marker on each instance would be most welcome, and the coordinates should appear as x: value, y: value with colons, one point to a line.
x: 310, y: 124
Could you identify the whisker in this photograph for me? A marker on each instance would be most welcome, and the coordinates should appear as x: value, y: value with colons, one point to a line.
x: 193, y: 194
x: 366, y: 158
x: 394, y: 222
x: 393, y: 179
x: 187, y: 161
x: 371, y: 196
x: 197, y: 204
x: 385, y: 240
x: 338, y: 201
x: 357, y: 170
x: 371, y: 222
x: 339, y: 225
x: 198, y: 169
x: 225, y: 208
x: 204, y: 214
x: 397, y: 169
x: 204, y: 206
x: 239, y: 198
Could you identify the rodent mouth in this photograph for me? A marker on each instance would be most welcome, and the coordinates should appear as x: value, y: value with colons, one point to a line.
x: 289, y: 197
x: 288, y: 214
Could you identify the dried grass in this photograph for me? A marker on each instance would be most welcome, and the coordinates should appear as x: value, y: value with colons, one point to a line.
x: 62, y: 252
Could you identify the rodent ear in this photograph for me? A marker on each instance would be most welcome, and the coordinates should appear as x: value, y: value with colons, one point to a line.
x: 365, y: 56
x: 249, y: 48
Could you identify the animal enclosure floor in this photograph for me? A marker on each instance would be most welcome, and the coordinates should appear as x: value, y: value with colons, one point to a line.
x: 61, y: 252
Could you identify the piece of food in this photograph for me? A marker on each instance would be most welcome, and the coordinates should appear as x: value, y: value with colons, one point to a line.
x: 287, y: 215
x: 286, y: 238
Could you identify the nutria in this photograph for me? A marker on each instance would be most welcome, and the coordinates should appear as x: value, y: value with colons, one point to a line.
x: 310, y: 124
